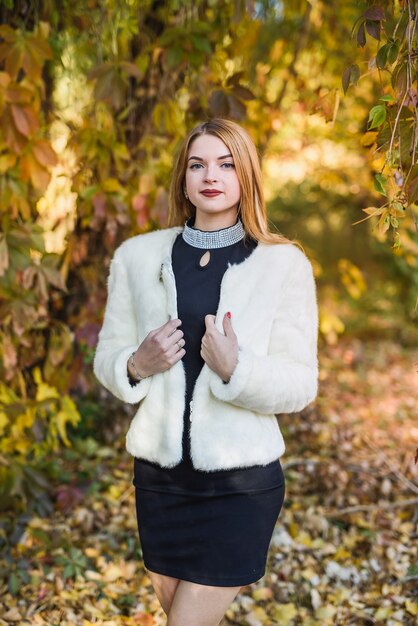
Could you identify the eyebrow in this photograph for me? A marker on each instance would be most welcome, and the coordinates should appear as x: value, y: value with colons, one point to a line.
x: 226, y: 156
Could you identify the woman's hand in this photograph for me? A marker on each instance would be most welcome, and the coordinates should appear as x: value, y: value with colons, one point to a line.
x: 220, y: 351
x: 160, y: 350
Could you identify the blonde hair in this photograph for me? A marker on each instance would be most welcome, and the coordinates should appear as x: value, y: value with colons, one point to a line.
x: 252, y: 207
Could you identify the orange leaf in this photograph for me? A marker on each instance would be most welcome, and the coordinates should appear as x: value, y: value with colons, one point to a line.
x: 39, y: 48
x: 14, y: 140
x: 18, y: 94
x: 7, y: 33
x: 4, y: 79
x: 32, y: 169
x: 43, y: 153
x: 13, y: 57
x: 31, y: 65
x: 4, y: 255
x: 25, y: 119
x: 144, y: 619
x: 7, y: 161
x: 100, y: 70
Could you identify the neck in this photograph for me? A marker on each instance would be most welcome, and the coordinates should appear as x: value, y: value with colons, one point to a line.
x: 216, y: 238
x: 214, y: 222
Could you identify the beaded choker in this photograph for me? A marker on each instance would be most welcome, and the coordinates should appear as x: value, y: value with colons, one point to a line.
x: 207, y: 239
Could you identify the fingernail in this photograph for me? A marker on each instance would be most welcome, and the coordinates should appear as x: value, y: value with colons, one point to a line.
x: 229, y: 314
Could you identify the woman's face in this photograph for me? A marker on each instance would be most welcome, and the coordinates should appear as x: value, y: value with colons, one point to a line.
x: 211, y: 180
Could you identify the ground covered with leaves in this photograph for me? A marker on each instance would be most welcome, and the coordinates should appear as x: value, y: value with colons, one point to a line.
x: 345, y: 547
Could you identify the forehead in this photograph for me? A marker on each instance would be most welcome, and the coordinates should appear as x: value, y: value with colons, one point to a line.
x: 207, y: 144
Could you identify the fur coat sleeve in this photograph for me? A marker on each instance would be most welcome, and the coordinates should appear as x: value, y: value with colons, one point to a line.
x: 286, y: 379
x: 118, y: 338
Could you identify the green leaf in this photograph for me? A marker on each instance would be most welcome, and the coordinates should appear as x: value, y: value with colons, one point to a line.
x: 13, y: 584
x: 202, y: 44
x: 377, y: 116
x: 393, y: 51
x: 379, y: 183
x: 388, y: 98
x: 382, y: 56
x: 399, y: 79
x: 351, y: 75
x: 175, y: 55
x: 397, y: 240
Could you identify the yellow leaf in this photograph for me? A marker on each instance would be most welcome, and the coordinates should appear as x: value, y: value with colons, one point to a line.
x: 71, y: 411
x: 331, y: 322
x: 112, y: 185
x: 326, y: 612
x: 304, y: 538
x: 368, y: 138
x: 146, y: 184
x: 112, y: 573
x: 373, y: 210
x: 308, y: 573
x: 285, y: 613
x: 342, y: 553
x: 258, y: 616
x: 45, y: 391
x: 263, y: 593
x: 3, y: 421
x: 61, y: 420
x: 382, y: 613
x: 7, y: 395
x: 411, y: 607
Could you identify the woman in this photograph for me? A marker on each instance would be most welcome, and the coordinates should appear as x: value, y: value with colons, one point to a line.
x: 211, y: 326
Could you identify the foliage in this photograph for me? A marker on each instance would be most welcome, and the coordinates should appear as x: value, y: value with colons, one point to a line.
x: 391, y: 132
x: 343, y: 550
x: 96, y: 97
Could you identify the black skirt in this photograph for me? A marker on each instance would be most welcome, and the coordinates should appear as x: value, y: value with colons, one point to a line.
x: 207, y: 530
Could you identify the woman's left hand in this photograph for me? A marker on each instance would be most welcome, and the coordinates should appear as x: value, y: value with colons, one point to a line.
x: 220, y: 351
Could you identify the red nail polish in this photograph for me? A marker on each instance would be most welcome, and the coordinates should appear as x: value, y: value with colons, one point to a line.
x: 229, y: 315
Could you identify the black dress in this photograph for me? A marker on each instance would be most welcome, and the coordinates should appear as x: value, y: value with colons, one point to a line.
x: 212, y: 528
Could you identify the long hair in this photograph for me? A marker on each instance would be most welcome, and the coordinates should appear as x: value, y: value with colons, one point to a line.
x: 252, y: 206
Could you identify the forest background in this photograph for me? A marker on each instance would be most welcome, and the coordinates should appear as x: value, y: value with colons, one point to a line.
x: 95, y: 97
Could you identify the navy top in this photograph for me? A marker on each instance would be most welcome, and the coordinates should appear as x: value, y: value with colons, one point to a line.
x: 198, y: 292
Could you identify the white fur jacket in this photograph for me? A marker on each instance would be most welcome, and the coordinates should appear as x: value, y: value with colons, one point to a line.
x: 272, y: 298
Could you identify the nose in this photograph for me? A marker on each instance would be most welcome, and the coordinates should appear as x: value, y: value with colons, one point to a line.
x: 210, y: 174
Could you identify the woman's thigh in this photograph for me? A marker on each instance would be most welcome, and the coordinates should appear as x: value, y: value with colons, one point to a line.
x: 165, y: 588
x: 200, y: 605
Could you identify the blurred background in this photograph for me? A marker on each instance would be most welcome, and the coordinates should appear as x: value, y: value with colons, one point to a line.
x: 95, y: 98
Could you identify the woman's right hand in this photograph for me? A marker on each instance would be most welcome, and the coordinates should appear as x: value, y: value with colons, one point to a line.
x: 159, y: 351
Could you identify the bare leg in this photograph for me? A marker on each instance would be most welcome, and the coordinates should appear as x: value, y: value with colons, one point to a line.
x: 200, y: 605
x: 165, y: 589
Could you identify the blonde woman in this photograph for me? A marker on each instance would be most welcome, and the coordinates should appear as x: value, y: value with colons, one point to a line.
x: 211, y: 328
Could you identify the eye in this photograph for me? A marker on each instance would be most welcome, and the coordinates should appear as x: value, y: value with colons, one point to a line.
x: 194, y: 165
x: 229, y: 166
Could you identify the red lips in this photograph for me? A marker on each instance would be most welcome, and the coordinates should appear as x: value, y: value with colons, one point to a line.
x: 210, y: 192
